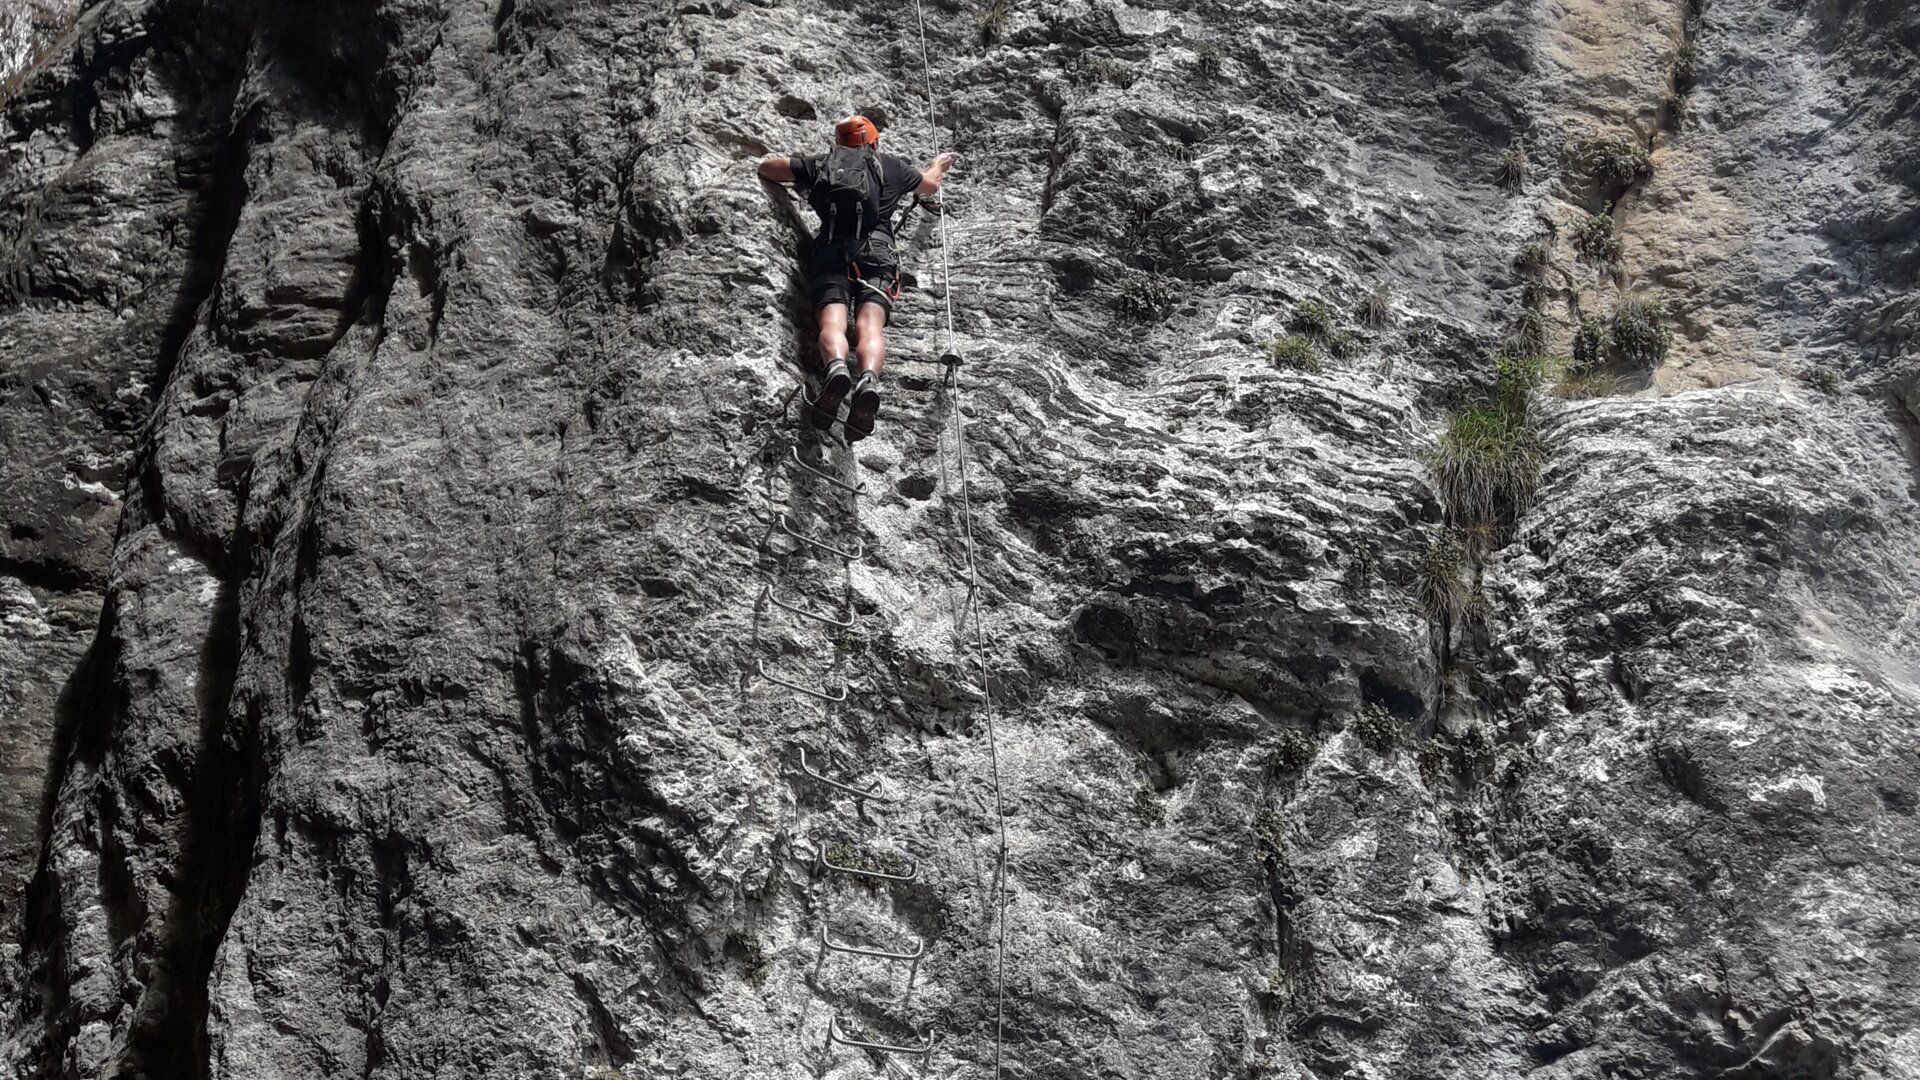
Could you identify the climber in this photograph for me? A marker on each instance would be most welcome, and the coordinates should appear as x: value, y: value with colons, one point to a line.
x: 855, y: 189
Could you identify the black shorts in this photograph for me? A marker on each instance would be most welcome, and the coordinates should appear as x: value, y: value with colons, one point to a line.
x: 870, y: 277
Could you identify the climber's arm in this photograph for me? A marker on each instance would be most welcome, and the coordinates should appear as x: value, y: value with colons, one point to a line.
x: 936, y: 172
x: 777, y: 170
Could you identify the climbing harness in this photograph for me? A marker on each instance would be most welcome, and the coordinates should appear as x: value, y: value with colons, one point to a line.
x: 824, y: 862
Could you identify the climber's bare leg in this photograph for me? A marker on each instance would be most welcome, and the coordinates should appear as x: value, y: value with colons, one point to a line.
x: 833, y: 332
x: 870, y: 335
x: 870, y: 339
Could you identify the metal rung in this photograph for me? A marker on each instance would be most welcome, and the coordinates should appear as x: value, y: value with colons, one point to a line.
x: 855, y: 555
x: 870, y: 793
x: 820, y: 859
x: 951, y: 358
x: 828, y: 945
x: 797, y: 688
x: 835, y: 1035
x: 766, y: 593
x: 824, y: 475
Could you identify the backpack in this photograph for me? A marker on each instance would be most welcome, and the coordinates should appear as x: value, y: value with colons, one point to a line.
x: 846, y: 193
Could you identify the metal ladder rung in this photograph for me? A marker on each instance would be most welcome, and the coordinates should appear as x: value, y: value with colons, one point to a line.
x: 766, y: 593
x: 797, y: 688
x: 830, y: 944
x: 870, y: 793
x: 859, y: 550
x: 835, y: 1035
x: 820, y: 859
x: 854, y: 488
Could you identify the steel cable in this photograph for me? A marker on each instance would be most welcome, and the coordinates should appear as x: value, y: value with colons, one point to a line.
x: 973, y: 590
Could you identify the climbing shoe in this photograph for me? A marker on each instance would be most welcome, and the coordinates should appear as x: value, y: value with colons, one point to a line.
x: 833, y: 387
x: 866, y: 402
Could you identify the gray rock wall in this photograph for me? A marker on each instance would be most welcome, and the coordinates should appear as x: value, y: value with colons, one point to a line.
x: 394, y: 395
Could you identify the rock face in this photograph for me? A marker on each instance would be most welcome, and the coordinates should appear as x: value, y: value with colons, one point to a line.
x: 395, y: 415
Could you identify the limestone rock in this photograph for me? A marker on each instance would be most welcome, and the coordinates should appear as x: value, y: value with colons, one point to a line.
x: 396, y: 418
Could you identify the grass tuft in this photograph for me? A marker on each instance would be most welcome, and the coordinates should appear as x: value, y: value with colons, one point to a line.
x: 1528, y: 335
x: 1295, y: 353
x: 1372, y: 310
x: 1595, y: 239
x: 1441, y: 586
x: 1511, y: 173
x: 1615, y: 162
x: 991, y: 20
x: 1517, y: 376
x: 1639, y: 339
x: 1311, y: 317
x: 1487, y: 464
x: 1592, y: 342
x: 1206, y: 60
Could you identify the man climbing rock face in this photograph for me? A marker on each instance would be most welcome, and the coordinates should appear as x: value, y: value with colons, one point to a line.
x: 855, y: 189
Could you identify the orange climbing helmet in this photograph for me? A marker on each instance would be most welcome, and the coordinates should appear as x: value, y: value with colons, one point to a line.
x: 855, y: 131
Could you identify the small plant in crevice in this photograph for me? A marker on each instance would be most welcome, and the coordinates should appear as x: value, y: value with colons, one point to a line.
x: 1584, y: 386
x: 1511, y: 172
x: 1676, y: 103
x: 746, y: 948
x: 1469, y: 836
x: 1592, y: 341
x: 1517, y: 375
x: 1534, y: 295
x: 1095, y: 70
x: 1311, y: 317
x: 1294, y: 353
x: 1341, y: 344
x: 1596, y: 239
x: 855, y: 857
x: 990, y: 18
x: 1639, y: 338
x: 1534, y: 257
x: 1419, y: 334
x: 1145, y: 298
x: 1821, y: 379
x: 1686, y: 65
x: 1376, y: 728
x: 1441, y: 586
x: 1473, y: 751
x: 1206, y: 60
x: 1528, y: 335
x: 1372, y: 310
x: 1147, y: 805
x: 1357, y: 579
x: 1271, y: 834
x: 1586, y: 375
x: 1432, y: 761
x: 1295, y: 752
x: 1615, y: 162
